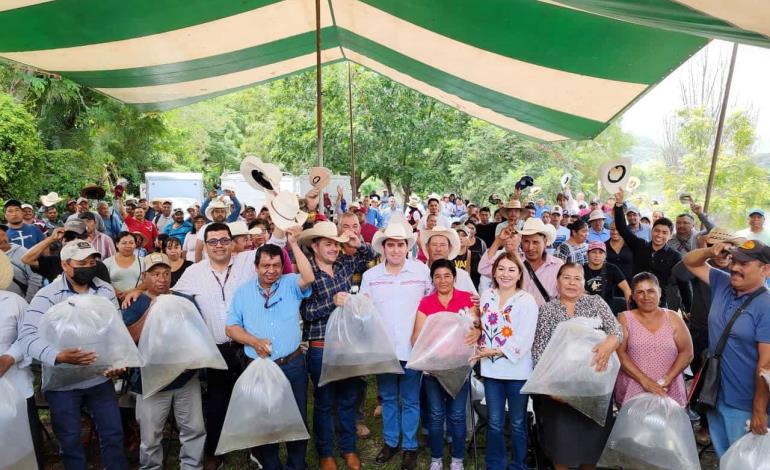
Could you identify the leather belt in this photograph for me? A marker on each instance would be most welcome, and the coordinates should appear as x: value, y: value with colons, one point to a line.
x: 316, y: 343
x: 286, y: 359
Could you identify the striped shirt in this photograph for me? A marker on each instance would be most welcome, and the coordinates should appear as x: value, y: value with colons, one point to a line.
x: 57, y: 291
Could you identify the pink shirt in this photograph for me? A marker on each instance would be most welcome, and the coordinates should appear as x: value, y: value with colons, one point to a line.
x: 460, y: 300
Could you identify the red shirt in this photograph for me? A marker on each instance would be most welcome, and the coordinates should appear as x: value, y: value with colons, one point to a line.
x: 367, y: 231
x: 146, y: 228
x: 460, y: 300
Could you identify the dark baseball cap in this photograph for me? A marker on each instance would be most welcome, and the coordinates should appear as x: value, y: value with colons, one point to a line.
x: 75, y: 225
x: 88, y: 215
x: 12, y: 203
x: 752, y: 250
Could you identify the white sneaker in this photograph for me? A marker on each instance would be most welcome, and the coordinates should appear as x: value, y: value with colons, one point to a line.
x: 456, y: 465
x: 436, y: 465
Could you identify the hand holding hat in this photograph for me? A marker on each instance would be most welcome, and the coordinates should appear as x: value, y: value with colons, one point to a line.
x: 319, y: 177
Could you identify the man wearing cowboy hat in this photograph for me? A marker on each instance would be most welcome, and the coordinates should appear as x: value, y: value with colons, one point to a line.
x: 596, y: 230
x: 216, y: 212
x: 413, y: 212
x: 396, y: 287
x: 333, y: 272
x: 444, y: 243
x: 264, y: 317
x: 512, y: 214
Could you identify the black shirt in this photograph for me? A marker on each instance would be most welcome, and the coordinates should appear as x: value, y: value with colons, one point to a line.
x: 486, y: 232
x: 175, y: 275
x: 603, y: 281
x: 461, y: 264
x: 623, y: 260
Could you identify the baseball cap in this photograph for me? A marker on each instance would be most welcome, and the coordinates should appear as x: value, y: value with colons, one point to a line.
x: 752, y: 250
x: 596, y: 214
x: 87, y: 215
x: 71, y: 201
x: 556, y: 210
x: 463, y: 229
x: 633, y: 209
x: 756, y: 210
x: 131, y: 202
x: 155, y: 259
x: 178, y: 209
x: 75, y: 225
x: 82, y: 199
x: 597, y: 245
x: 27, y: 206
x: 77, y: 250
x: 12, y: 203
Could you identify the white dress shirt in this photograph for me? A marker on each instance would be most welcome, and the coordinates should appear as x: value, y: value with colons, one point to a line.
x: 12, y: 309
x: 213, y: 290
x: 396, y: 297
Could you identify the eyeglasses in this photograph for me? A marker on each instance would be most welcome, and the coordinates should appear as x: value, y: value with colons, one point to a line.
x: 219, y: 241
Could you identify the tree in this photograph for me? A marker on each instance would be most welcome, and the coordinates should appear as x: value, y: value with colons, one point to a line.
x: 21, y: 151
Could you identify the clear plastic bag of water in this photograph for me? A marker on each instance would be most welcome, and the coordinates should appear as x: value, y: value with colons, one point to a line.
x: 262, y: 410
x: 651, y: 431
x: 17, y: 451
x: 91, y: 323
x: 440, y: 350
x: 564, y: 370
x: 356, y: 343
x: 752, y: 451
x: 174, y: 339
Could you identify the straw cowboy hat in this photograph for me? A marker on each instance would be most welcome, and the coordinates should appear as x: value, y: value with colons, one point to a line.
x: 398, y: 229
x: 93, y: 191
x: 50, y: 199
x: 260, y: 175
x: 722, y: 235
x: 513, y: 204
x: 450, y: 234
x: 6, y: 271
x: 323, y: 229
x: 414, y: 201
x: 215, y: 204
x: 284, y: 210
x: 615, y: 174
x: 535, y: 225
x: 319, y: 177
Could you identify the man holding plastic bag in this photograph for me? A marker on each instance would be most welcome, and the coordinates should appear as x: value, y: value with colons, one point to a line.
x: 264, y: 317
x: 333, y: 274
x: 739, y: 332
x: 396, y: 288
x: 183, y: 393
x: 78, y: 260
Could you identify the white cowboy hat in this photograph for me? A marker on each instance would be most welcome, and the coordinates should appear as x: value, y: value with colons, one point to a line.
x: 414, y: 201
x: 284, y: 210
x: 50, y: 199
x: 237, y: 228
x: 565, y: 179
x: 319, y: 177
x: 450, y: 234
x: 596, y: 214
x: 215, y: 204
x: 534, y: 225
x: 398, y: 228
x: 6, y: 271
x: 633, y: 184
x: 323, y: 229
x: 260, y: 175
x: 615, y: 174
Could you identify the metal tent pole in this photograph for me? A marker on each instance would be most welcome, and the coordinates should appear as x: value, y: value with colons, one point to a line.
x: 720, y: 127
x: 353, y: 182
x: 318, y: 90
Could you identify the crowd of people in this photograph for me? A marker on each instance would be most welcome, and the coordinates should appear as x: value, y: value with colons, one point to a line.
x: 266, y: 281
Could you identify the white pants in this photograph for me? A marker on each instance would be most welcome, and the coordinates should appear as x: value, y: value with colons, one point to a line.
x: 152, y: 412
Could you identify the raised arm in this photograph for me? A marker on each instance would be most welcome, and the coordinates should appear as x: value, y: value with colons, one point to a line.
x: 307, y: 277
x: 634, y: 242
x: 695, y: 261
x: 34, y: 253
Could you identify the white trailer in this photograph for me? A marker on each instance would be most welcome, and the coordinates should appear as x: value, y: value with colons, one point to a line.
x: 296, y: 184
x: 184, y: 189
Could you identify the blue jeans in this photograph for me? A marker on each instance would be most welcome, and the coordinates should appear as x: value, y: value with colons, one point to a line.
x: 496, y: 392
x: 444, y: 407
x: 404, y: 419
x: 296, y: 371
x: 726, y: 425
x: 102, y: 404
x: 344, y: 392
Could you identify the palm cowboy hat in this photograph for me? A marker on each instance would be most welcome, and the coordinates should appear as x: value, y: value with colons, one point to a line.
x: 215, y: 204
x: 323, y: 229
x: 93, y: 191
x: 633, y: 184
x: 319, y: 177
x: 284, y: 210
x: 513, y: 204
x: 398, y: 228
x: 535, y: 225
x: 615, y: 174
x: 449, y: 233
x: 6, y: 271
x: 50, y: 199
x: 414, y: 201
x: 565, y: 179
x: 722, y: 235
x: 260, y: 175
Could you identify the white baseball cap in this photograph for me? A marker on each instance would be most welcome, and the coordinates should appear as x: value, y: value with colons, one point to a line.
x: 77, y: 250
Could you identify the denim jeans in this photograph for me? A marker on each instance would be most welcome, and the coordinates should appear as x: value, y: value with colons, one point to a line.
x: 296, y: 372
x: 344, y: 393
x: 452, y: 410
x: 726, y: 425
x: 400, y: 419
x: 102, y: 404
x: 496, y: 392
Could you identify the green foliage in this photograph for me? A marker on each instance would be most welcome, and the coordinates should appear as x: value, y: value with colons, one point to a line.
x: 20, y: 151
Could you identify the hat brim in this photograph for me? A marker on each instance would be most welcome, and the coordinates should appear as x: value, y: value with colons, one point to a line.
x: 452, y: 236
x: 611, y: 181
x: 319, y: 177
x: 261, y: 176
x: 550, y: 237
x: 307, y: 237
x: 93, y: 192
x: 379, y: 239
x: 741, y: 256
x: 210, y: 209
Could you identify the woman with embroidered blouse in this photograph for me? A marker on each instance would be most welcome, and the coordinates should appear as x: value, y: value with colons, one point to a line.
x: 568, y: 437
x: 508, y: 321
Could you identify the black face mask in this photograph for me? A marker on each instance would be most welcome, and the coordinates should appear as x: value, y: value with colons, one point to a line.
x: 84, y: 276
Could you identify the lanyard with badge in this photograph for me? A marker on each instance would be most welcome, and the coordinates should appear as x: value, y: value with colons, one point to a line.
x: 222, y: 284
x: 266, y: 294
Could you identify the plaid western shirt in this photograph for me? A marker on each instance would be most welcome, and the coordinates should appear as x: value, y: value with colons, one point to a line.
x: 316, y: 309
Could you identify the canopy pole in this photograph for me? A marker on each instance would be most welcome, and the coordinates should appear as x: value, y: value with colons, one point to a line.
x: 353, y: 182
x: 318, y: 90
x: 720, y: 126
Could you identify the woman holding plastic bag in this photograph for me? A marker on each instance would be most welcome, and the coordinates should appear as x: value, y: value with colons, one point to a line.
x: 446, y: 299
x: 569, y: 438
x: 657, y: 347
x: 508, y: 321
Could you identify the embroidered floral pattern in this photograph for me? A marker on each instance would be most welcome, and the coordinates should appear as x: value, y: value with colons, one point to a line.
x: 495, y: 326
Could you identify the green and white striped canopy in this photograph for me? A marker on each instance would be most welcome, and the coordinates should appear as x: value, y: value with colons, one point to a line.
x: 545, y: 69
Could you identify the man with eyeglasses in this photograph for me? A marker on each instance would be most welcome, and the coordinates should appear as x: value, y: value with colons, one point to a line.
x: 212, y: 283
x: 264, y: 317
x: 183, y: 393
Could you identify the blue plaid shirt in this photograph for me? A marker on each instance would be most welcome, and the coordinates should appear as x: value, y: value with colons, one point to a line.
x: 316, y: 309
